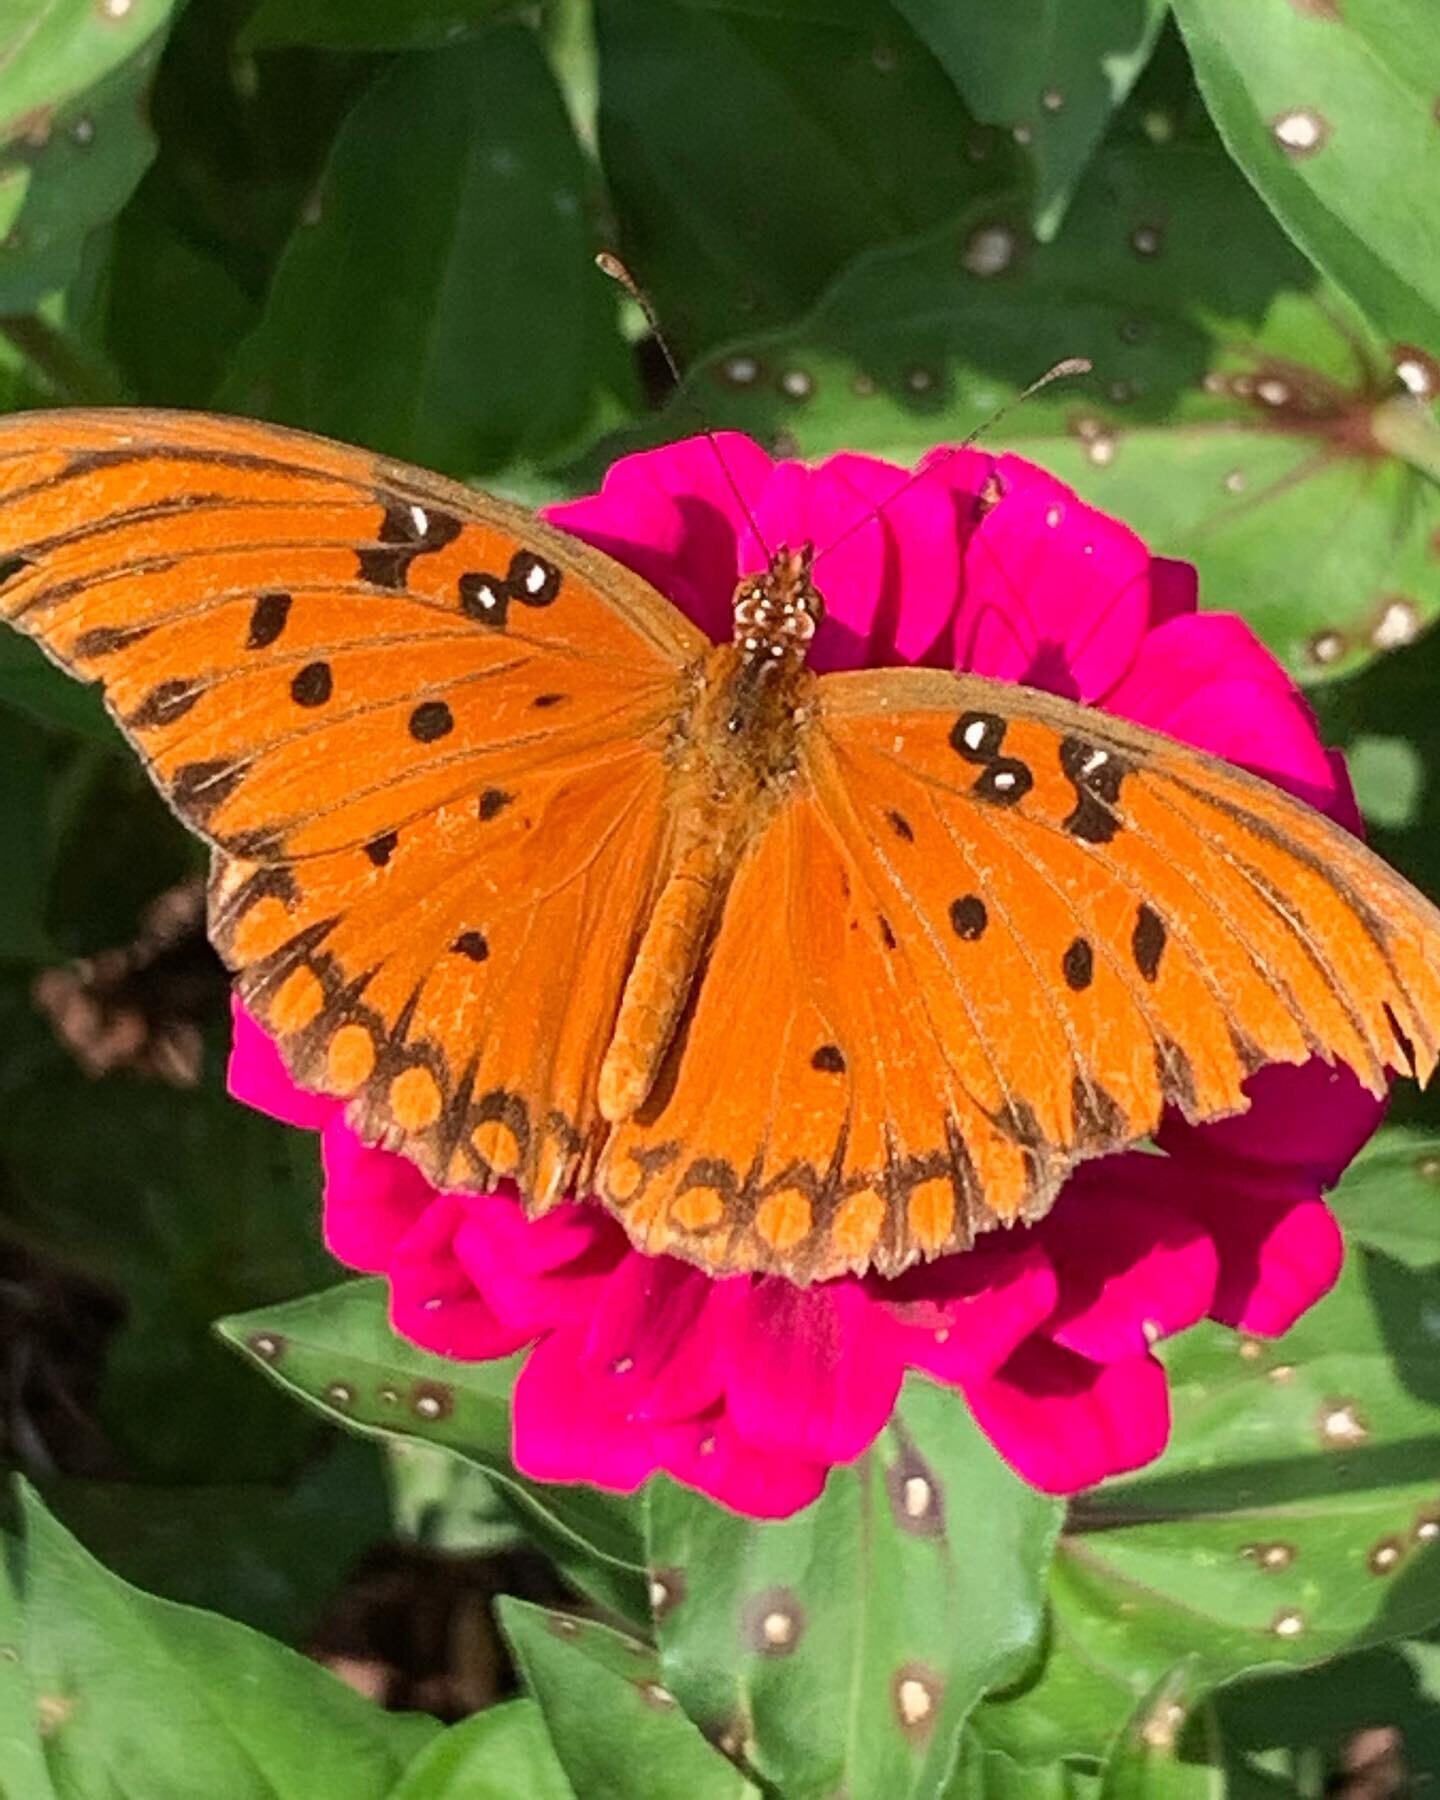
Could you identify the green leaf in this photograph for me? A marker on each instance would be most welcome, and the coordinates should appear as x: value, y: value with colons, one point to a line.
x: 1296, y: 1513
x: 23, y: 832
x: 500, y: 1754
x: 369, y: 24
x: 32, y: 684
x: 73, y: 137
x: 1149, y: 1761
x: 1051, y: 74
x: 136, y: 1695
x: 1330, y: 110
x: 988, y: 1775
x: 269, y: 1556
x: 1231, y: 417
x: 447, y: 253
x: 23, y: 1774
x: 1293, y: 1728
x: 743, y: 191
x: 336, y: 1351
x: 616, y: 1729
x: 1390, y: 1200
x: 826, y: 1646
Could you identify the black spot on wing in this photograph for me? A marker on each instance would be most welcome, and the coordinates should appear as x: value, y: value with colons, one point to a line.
x: 1096, y: 774
x: 900, y: 825
x: 1078, y: 965
x: 313, y: 685
x: 406, y: 531
x: 1148, y: 941
x: 105, y: 640
x: 829, y: 1059
x: 201, y: 788
x: 472, y: 945
x: 382, y: 848
x: 164, y: 704
x: 969, y: 917
x: 267, y: 621
x: 430, y: 721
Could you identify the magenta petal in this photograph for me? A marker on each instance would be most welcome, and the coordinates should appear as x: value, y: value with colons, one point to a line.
x: 537, y: 1273
x: 372, y: 1199
x: 258, y: 1077
x: 654, y: 1336
x: 672, y: 515
x: 432, y: 1301
x: 812, y: 1372
x: 1063, y: 1423
x: 1306, y: 1123
x: 565, y: 1427
x: 1133, y: 1268
x: 1074, y: 583
x: 1280, y: 1248
x: 964, y: 1315
x: 709, y: 1454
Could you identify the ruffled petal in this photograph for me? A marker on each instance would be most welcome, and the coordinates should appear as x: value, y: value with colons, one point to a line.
x: 433, y: 1302
x: 568, y: 1424
x: 1280, y: 1249
x: 964, y: 1315
x: 656, y: 1333
x: 812, y: 1372
x: 1056, y: 594
x: 1137, y: 1269
x: 257, y: 1076
x: 372, y: 1199
x: 710, y: 1455
x: 537, y: 1273
x: 1064, y: 1423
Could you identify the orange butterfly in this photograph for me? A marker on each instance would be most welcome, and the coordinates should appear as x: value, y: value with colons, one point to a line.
x: 795, y: 973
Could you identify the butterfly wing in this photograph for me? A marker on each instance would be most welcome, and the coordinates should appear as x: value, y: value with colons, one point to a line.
x: 990, y: 934
x: 423, y: 731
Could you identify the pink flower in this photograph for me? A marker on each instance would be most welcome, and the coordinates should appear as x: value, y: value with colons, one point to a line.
x: 751, y: 1389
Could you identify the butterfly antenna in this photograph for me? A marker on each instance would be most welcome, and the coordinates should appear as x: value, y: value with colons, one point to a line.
x: 611, y: 265
x: 1072, y: 365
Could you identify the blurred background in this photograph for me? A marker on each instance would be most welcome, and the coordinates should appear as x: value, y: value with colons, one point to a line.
x: 865, y: 225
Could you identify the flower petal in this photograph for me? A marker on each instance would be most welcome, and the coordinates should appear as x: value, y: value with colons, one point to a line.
x: 812, y: 1372
x: 1070, y: 584
x: 1134, y: 1268
x: 654, y: 1332
x: 1064, y: 1423
x: 432, y: 1301
x: 1279, y: 1246
x: 709, y: 1454
x: 964, y: 1315
x: 566, y: 1426
x: 537, y: 1273
x: 372, y: 1199
x: 673, y: 516
x: 257, y: 1076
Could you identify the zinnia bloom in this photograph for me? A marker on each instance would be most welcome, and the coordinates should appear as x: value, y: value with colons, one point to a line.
x: 750, y: 1389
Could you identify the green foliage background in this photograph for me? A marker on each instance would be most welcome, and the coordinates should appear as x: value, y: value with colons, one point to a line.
x: 866, y: 223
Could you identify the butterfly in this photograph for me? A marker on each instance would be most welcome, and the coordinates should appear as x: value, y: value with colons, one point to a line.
x: 793, y: 973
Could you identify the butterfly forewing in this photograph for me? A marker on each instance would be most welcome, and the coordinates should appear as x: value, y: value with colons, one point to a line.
x: 425, y: 731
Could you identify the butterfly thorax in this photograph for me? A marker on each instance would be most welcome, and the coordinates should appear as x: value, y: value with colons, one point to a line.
x: 734, y: 757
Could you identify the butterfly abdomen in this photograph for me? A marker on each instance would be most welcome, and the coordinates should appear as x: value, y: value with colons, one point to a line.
x: 739, y: 753
x: 662, y: 974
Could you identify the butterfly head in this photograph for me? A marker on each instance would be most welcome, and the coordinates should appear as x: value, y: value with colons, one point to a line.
x: 777, y: 612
